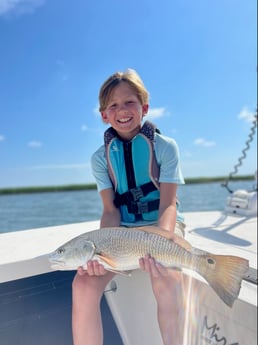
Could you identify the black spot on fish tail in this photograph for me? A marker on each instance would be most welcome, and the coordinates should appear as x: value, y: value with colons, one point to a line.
x: 211, y: 261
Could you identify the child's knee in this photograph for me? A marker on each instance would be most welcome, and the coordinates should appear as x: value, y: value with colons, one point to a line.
x: 170, y: 287
x: 77, y: 287
x: 81, y: 286
x: 77, y: 282
x: 87, y: 287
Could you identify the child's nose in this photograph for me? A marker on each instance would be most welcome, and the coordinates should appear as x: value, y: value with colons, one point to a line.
x: 121, y: 107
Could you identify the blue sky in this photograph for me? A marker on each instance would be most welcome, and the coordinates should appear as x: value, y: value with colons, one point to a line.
x: 198, y: 60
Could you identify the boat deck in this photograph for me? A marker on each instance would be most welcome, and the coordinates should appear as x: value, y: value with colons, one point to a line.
x: 35, y: 302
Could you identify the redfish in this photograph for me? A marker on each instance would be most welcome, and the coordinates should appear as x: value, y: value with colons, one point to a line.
x: 119, y: 250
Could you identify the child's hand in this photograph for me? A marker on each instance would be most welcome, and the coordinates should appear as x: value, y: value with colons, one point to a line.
x: 94, y: 268
x: 156, y: 270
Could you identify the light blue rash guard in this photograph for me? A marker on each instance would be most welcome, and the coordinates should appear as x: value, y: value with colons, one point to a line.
x: 167, y: 156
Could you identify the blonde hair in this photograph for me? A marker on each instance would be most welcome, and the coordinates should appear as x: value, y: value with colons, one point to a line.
x: 131, y: 77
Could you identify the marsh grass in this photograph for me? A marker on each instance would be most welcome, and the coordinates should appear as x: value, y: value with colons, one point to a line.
x: 91, y: 186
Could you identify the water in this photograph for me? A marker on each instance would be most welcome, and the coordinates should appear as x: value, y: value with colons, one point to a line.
x: 28, y: 211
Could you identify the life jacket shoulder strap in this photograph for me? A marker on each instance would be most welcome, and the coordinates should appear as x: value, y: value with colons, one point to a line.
x: 109, y: 134
x: 149, y: 129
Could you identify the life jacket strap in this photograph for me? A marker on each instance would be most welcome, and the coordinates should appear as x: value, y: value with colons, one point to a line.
x: 134, y: 194
x: 148, y: 130
x: 143, y: 207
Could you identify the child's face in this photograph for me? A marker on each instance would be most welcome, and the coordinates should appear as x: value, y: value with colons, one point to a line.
x: 124, y: 111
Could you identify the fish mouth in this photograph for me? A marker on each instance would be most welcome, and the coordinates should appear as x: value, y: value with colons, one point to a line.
x: 60, y: 265
x: 57, y: 267
x: 54, y: 263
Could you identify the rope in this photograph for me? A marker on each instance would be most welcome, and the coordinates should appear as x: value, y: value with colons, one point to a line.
x: 243, y: 156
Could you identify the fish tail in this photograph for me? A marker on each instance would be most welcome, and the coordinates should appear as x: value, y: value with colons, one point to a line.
x: 224, y: 274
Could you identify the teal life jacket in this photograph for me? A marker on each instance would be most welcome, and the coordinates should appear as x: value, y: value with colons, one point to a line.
x: 134, y: 173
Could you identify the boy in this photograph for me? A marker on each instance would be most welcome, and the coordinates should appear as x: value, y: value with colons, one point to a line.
x: 137, y: 172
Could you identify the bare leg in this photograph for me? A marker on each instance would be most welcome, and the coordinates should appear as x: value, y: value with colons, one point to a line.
x: 171, y: 308
x: 86, y: 315
x: 169, y: 290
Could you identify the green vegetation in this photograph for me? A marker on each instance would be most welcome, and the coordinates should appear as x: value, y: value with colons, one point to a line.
x: 191, y: 180
x: 43, y: 189
x: 75, y: 187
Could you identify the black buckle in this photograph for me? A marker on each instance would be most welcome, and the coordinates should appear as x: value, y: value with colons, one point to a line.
x: 138, y: 207
x: 135, y: 194
x: 142, y: 207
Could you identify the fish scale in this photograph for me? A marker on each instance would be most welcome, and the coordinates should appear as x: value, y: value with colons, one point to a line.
x: 136, y: 244
x: 119, y: 249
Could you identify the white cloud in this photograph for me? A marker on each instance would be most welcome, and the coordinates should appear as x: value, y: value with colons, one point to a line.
x: 34, y: 144
x: 84, y: 128
x: 19, y: 6
x: 155, y: 113
x: 246, y: 115
x: 2, y: 138
x: 204, y: 143
x: 96, y: 110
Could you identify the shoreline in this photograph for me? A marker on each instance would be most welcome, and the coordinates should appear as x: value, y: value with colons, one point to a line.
x: 92, y: 186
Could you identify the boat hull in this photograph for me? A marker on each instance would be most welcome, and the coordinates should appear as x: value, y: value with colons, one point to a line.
x: 208, y: 319
x: 37, y: 311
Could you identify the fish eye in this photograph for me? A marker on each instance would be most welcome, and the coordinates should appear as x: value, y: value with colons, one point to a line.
x: 211, y: 261
x: 60, y: 251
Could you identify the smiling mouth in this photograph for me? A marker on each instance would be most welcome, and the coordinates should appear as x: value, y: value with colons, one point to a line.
x: 125, y: 120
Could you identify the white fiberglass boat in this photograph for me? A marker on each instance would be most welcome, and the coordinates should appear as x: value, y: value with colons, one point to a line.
x: 35, y: 303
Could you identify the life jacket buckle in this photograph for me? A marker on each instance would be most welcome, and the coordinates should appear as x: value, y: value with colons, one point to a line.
x: 138, y: 207
x: 135, y: 194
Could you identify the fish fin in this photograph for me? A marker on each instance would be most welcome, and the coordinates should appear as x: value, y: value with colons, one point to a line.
x: 181, y: 242
x: 225, y: 275
x: 197, y: 251
x: 107, y: 260
x: 155, y: 230
x: 168, y: 235
x: 112, y: 265
x: 122, y: 273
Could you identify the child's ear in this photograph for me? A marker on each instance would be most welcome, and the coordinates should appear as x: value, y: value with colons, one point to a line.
x: 145, y: 109
x: 104, y: 117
